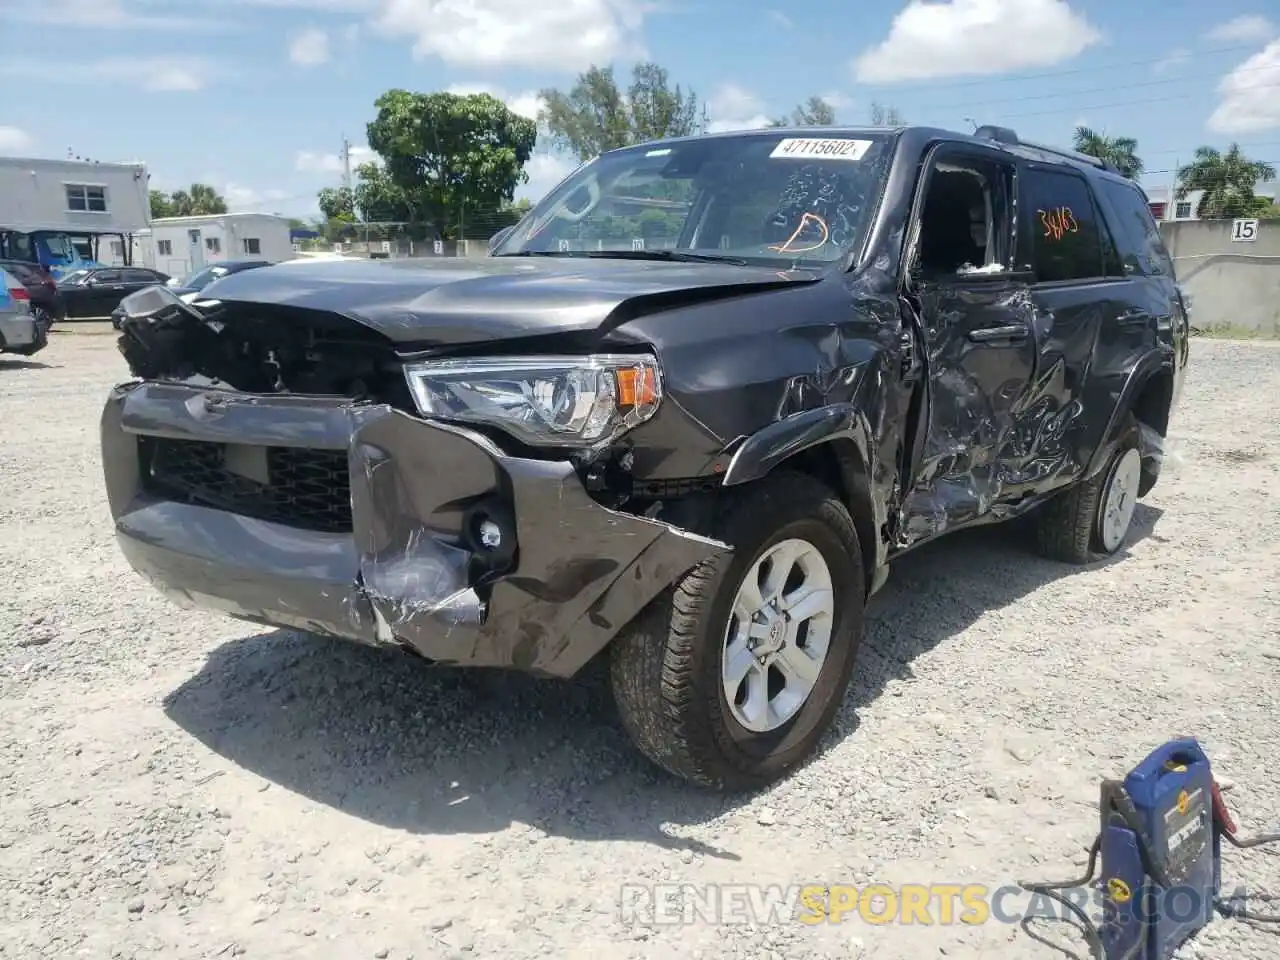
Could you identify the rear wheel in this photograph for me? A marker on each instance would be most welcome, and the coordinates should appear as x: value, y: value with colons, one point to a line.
x: 1092, y: 518
x: 731, y: 679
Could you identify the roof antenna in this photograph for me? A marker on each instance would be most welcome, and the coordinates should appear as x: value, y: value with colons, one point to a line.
x: 973, y: 121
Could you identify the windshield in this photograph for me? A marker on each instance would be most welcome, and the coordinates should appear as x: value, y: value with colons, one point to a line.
x: 755, y: 198
x: 18, y: 247
x: 60, y: 246
x: 202, y: 278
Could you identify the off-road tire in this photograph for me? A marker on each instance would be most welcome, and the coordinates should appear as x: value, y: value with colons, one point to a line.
x: 665, y: 668
x: 1067, y: 526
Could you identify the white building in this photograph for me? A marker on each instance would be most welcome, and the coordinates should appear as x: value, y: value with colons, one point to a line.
x: 180, y: 245
x: 1165, y: 205
x: 83, y: 199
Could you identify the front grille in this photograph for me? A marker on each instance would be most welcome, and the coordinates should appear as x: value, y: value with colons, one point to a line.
x: 308, y: 489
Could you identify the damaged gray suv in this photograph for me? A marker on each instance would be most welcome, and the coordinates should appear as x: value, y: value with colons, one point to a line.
x: 683, y: 417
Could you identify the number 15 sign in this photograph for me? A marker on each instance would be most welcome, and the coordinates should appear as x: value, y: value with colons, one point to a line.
x: 1244, y: 230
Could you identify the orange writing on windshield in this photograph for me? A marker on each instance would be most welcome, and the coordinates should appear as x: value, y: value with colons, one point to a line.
x: 808, y: 220
x: 1058, y: 222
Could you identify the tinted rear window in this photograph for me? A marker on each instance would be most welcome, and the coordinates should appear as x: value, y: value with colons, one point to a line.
x: 1065, y: 235
x: 1141, y: 248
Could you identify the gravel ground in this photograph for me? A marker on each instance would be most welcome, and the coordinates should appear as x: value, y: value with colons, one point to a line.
x: 178, y: 785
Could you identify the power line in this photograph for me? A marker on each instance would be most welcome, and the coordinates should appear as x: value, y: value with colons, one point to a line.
x: 1119, y: 103
x: 1107, y: 89
x: 1096, y: 68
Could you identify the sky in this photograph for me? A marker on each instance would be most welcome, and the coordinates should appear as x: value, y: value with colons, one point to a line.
x: 255, y: 96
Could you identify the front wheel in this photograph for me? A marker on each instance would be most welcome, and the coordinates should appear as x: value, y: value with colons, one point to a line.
x: 731, y: 679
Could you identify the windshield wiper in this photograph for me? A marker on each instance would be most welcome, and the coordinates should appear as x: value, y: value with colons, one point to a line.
x: 673, y: 256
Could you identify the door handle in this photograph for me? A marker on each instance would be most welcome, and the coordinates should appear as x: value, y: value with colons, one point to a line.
x: 1015, y: 331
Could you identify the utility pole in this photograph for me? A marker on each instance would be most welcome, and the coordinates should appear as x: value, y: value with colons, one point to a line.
x: 346, y: 162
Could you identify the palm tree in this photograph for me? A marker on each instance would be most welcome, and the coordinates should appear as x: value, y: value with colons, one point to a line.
x: 1227, y: 180
x: 1122, y: 151
x: 200, y: 199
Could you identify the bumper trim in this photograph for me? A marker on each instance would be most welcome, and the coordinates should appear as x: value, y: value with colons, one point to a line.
x: 408, y: 571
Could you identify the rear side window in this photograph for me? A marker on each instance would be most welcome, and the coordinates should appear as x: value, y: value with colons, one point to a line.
x: 1141, y: 248
x: 1065, y: 239
x: 139, y: 276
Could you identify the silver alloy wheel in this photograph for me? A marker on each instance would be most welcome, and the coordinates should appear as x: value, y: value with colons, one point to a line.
x: 1119, y: 500
x: 778, y: 635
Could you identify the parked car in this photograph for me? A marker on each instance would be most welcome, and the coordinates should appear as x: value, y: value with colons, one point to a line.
x: 46, y: 302
x: 20, y: 332
x: 693, y: 449
x: 88, y: 294
x: 190, y: 287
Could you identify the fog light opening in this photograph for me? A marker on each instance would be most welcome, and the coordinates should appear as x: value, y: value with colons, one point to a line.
x: 489, y: 534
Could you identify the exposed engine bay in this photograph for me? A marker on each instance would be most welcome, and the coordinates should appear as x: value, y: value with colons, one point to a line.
x: 259, y: 349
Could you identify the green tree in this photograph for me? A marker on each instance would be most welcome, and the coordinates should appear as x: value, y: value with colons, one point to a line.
x: 378, y: 199
x: 1266, y: 209
x: 198, y: 200
x: 336, y: 203
x: 814, y: 112
x: 1122, y: 151
x: 448, y: 155
x: 161, y: 206
x: 1227, y: 180
x: 595, y: 115
x: 883, y: 116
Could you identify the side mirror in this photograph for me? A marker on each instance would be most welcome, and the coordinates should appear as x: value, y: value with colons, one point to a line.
x: 496, y: 240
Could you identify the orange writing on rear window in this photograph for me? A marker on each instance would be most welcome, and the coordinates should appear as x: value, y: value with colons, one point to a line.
x: 1058, y: 222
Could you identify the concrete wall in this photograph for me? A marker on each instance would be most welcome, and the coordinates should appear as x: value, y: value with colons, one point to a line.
x: 1230, y: 283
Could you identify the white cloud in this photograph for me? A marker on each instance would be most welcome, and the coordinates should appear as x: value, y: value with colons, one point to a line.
x: 1249, y: 95
x: 733, y: 108
x: 951, y: 38
x: 545, y: 170
x: 13, y: 140
x: 310, y: 47
x: 241, y: 199
x: 781, y: 19
x: 103, y: 15
x: 1173, y: 60
x: 837, y: 100
x: 308, y: 161
x: 526, y: 104
x: 566, y: 36
x: 154, y: 74
x: 1243, y: 29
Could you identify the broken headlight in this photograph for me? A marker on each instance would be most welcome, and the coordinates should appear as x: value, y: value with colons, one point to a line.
x: 541, y: 401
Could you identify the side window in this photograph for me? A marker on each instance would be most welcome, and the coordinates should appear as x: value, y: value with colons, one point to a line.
x: 107, y: 276
x: 965, y: 219
x: 139, y: 276
x: 1065, y: 233
x: 1141, y: 249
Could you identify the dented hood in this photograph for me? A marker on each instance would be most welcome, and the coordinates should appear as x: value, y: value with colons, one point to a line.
x: 461, y: 300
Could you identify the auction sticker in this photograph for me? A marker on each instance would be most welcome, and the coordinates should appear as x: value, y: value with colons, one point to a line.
x: 821, y: 149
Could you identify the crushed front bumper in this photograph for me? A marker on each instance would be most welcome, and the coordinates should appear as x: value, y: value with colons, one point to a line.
x: 410, y: 571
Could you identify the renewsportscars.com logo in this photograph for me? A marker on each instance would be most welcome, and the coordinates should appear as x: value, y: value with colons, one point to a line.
x: 971, y: 904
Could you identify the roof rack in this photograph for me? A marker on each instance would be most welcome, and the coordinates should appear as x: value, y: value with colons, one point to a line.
x: 1008, y: 136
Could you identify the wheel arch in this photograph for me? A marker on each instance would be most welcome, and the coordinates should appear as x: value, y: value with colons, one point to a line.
x: 1147, y: 394
x: 830, y: 445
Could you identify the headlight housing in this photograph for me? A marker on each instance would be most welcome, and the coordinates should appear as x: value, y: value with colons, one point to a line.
x: 560, y: 401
